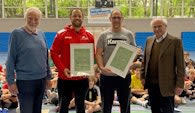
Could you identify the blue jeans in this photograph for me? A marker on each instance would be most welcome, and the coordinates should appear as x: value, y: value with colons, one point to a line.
x: 108, y: 84
x: 30, y: 95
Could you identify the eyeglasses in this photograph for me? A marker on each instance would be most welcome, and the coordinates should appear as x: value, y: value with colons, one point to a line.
x: 114, y: 18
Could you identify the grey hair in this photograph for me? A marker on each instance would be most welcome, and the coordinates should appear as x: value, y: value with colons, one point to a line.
x: 33, y: 9
x: 163, y: 20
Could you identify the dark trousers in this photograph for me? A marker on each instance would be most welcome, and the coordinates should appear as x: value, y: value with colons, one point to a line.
x: 160, y: 104
x: 30, y: 95
x: 66, y: 89
x: 108, y: 84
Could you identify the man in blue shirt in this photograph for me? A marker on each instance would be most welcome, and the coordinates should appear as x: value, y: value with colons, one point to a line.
x: 27, y: 63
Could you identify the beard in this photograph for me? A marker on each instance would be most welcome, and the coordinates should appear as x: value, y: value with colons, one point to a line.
x: 77, y: 23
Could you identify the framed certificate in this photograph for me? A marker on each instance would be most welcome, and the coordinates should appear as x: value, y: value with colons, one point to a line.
x: 82, y: 59
x: 121, y: 59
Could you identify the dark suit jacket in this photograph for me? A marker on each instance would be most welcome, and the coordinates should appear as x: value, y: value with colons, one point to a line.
x: 171, y: 64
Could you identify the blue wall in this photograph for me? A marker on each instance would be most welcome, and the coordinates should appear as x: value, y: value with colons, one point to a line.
x: 4, y: 38
x: 140, y: 38
x: 50, y: 37
x: 188, y: 39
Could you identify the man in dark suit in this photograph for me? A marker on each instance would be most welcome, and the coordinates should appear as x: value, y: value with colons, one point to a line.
x: 163, y: 67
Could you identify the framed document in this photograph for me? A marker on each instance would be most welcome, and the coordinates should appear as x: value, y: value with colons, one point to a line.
x: 82, y: 59
x: 121, y: 59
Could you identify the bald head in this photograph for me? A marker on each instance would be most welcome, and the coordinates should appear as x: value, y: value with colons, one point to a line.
x: 115, y: 11
x: 116, y: 19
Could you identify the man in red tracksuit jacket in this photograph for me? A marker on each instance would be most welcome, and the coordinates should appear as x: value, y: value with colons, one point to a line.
x: 60, y: 53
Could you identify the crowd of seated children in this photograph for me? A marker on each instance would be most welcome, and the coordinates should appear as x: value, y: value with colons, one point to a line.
x: 191, y: 78
x: 1, y: 70
x: 189, y: 83
x: 51, y: 94
x: 189, y: 88
x: 187, y: 59
x: 54, y: 72
x: 7, y: 100
x: 189, y: 65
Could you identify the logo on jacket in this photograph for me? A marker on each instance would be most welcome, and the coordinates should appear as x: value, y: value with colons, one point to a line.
x: 68, y: 37
x: 84, y: 38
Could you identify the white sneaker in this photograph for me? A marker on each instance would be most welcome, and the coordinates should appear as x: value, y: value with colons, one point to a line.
x: 177, y: 110
x: 183, y: 101
x: 18, y: 109
x: 145, y: 103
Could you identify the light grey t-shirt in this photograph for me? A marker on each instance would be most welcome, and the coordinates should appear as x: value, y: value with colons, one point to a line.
x: 108, y: 40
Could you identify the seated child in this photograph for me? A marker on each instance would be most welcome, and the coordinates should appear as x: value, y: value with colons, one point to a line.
x: 93, y: 100
x: 139, y: 95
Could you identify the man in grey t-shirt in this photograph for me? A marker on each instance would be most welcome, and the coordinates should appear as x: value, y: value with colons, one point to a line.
x: 109, y: 82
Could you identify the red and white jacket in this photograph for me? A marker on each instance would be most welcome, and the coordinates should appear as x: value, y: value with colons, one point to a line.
x: 60, y: 50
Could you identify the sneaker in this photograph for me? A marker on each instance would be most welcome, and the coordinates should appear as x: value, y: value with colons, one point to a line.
x: 183, y: 101
x: 18, y: 109
x: 145, y: 104
x: 177, y: 110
